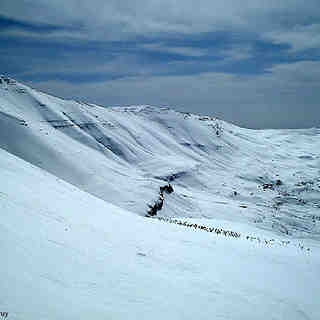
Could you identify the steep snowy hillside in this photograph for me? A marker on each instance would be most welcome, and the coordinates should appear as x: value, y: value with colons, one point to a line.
x: 268, y: 178
x: 69, y: 255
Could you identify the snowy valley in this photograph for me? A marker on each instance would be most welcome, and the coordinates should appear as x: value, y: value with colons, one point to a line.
x: 238, y: 238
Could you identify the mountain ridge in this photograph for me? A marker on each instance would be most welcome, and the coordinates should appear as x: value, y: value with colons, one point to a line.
x: 124, y: 154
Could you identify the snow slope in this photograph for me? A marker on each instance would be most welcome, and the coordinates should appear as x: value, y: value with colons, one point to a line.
x: 70, y: 255
x: 122, y: 155
x: 76, y: 181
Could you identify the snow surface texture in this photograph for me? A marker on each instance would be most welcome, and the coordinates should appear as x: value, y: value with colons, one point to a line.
x: 76, y: 181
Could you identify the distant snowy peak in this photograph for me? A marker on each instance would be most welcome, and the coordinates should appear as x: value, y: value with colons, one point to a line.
x: 12, y: 85
x: 124, y: 154
x: 155, y: 110
x: 119, y: 154
x: 6, y: 80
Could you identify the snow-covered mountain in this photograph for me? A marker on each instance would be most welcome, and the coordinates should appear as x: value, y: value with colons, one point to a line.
x: 76, y: 183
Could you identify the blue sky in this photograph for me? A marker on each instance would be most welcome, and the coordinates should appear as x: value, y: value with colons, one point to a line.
x: 254, y: 63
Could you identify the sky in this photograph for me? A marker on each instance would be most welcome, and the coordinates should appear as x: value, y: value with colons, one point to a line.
x: 255, y: 63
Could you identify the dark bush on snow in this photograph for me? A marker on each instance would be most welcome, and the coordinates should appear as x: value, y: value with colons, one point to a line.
x: 157, y: 206
x: 167, y: 188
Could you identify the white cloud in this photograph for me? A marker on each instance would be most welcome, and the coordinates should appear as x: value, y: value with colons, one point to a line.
x: 187, y: 51
x: 237, y: 53
x: 300, y: 37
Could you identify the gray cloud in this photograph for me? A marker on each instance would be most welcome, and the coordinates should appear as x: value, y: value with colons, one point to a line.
x: 253, y: 62
x: 112, y: 19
